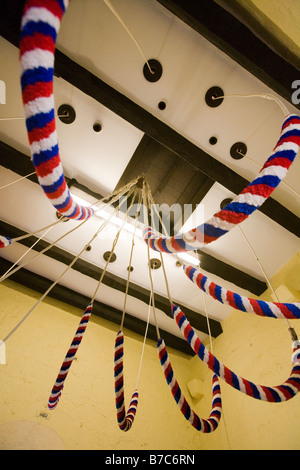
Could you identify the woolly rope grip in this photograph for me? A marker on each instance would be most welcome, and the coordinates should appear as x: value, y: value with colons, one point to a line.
x: 250, y: 199
x: 39, y: 27
x: 279, y: 393
x: 4, y: 241
x: 124, y: 420
x: 59, y: 384
x: 202, y: 425
x: 239, y: 302
x: 296, y: 351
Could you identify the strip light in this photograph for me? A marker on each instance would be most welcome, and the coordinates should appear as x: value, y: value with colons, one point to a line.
x: 119, y: 222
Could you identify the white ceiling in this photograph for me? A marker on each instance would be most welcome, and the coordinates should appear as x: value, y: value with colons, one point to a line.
x: 92, y: 36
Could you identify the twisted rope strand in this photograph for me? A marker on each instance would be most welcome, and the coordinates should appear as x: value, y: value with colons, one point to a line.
x: 243, y: 205
x: 279, y: 393
x: 244, y: 304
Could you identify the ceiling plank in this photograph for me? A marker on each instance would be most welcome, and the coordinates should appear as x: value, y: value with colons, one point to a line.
x: 113, y: 281
x: 236, y: 40
x: 100, y: 91
x: 41, y: 284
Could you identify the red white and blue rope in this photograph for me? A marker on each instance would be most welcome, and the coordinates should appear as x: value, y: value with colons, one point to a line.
x: 39, y: 28
x: 279, y: 393
x: 60, y: 381
x: 245, y: 304
x: 125, y: 420
x: 243, y: 205
x: 203, y: 425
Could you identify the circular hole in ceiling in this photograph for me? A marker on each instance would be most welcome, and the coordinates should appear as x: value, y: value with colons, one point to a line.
x: 238, y: 150
x: 60, y: 216
x: 130, y: 268
x: 155, y: 263
x: 156, y: 70
x: 213, y: 140
x: 66, y: 114
x: 225, y: 202
x: 214, y: 97
x: 162, y: 105
x: 97, y: 127
x: 112, y: 258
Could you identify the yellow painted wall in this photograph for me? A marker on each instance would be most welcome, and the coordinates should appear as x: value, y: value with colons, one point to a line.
x: 256, y: 348
x: 85, y: 417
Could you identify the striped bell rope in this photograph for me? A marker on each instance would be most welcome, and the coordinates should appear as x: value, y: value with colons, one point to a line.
x: 60, y: 381
x: 245, y: 304
x: 125, y: 420
x: 203, y: 425
x: 39, y: 28
x: 243, y: 205
x: 279, y: 393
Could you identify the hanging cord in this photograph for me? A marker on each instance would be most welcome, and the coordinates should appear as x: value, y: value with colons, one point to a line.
x: 65, y: 115
x: 149, y: 264
x: 256, y: 163
x: 26, y: 252
x: 65, y: 367
x: 59, y: 278
x: 202, y: 425
x: 114, y: 199
x: 290, y: 329
x: 17, y: 180
x: 116, y: 14
x: 260, y: 95
x: 130, y: 261
x: 114, y: 196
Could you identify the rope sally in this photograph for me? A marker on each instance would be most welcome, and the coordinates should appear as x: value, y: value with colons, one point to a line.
x: 203, y: 425
x: 125, y: 420
x: 59, y: 383
x: 39, y: 28
x: 243, y: 205
x: 239, y: 302
x: 62, y: 375
x: 279, y: 393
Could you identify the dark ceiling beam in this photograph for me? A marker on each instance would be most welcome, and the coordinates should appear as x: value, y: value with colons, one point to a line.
x: 235, y: 39
x: 70, y: 297
x: 21, y: 164
x: 100, y: 91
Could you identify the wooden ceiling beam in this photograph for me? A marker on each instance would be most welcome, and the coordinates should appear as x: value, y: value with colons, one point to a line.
x: 21, y: 164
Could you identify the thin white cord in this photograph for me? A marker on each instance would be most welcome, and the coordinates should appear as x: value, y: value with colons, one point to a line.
x: 262, y: 270
x: 258, y: 164
x: 144, y: 342
x: 27, y: 251
x: 116, y: 14
x: 262, y: 95
x: 23, y: 117
x: 16, y: 181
